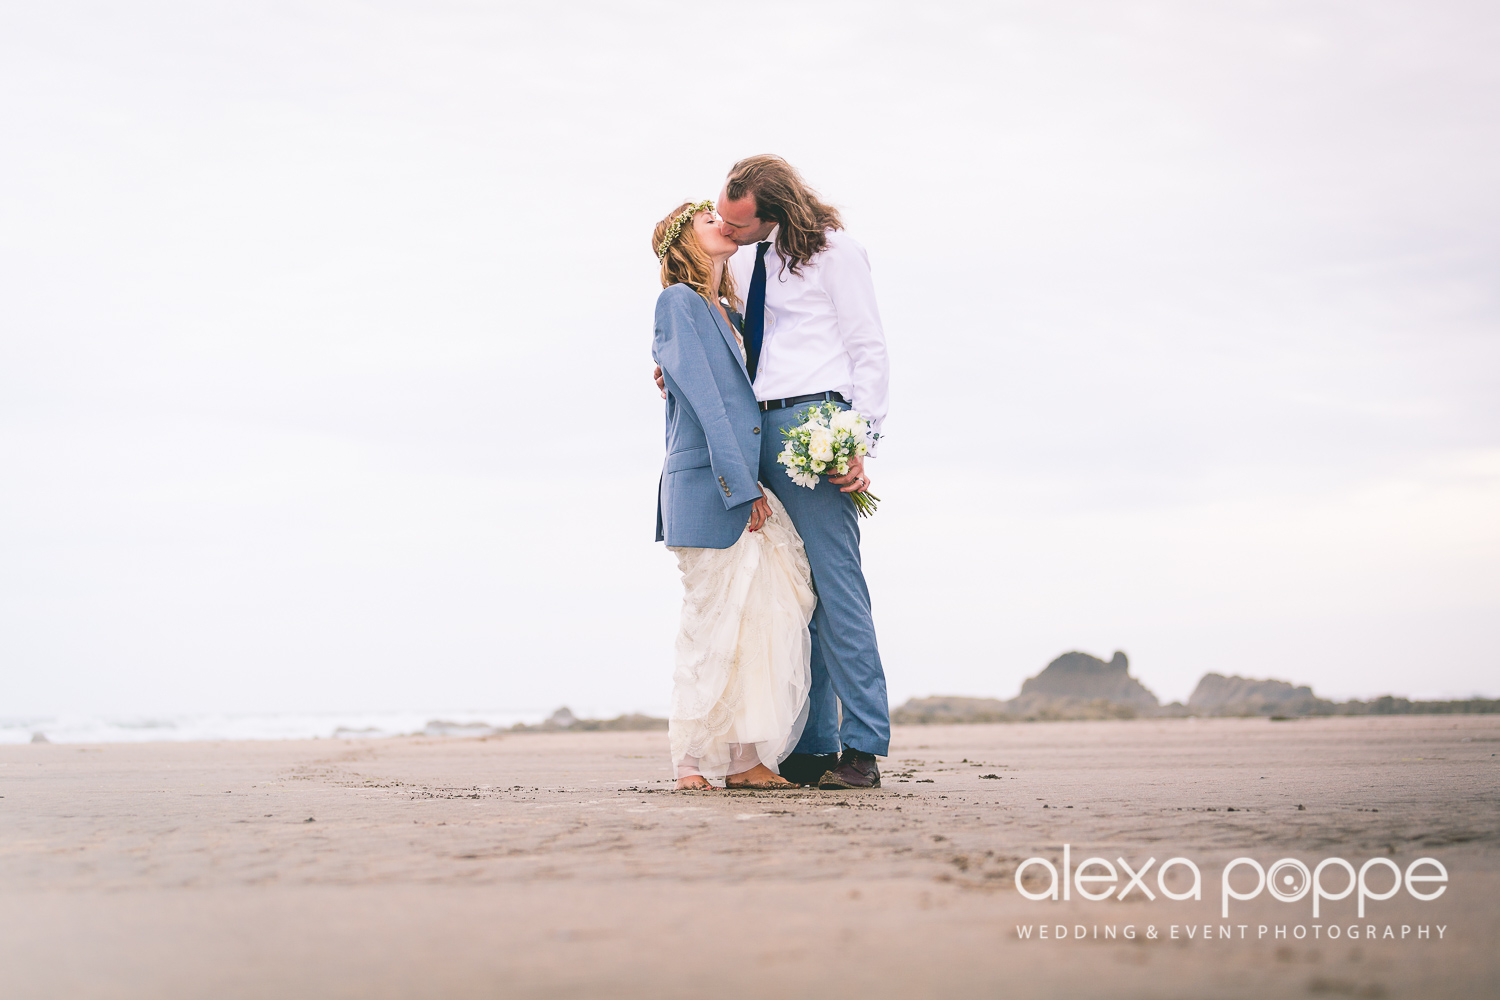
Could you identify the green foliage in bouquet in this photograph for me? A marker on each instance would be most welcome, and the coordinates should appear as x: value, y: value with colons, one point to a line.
x: 822, y: 443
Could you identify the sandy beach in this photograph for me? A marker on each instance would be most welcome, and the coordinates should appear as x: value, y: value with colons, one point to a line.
x: 561, y: 865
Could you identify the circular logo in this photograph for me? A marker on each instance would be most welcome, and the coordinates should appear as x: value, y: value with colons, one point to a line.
x: 1288, y: 880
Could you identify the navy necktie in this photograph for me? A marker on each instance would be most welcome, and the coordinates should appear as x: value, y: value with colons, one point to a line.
x: 755, y: 310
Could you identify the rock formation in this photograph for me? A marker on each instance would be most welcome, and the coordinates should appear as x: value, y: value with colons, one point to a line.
x: 1088, y: 678
x: 1234, y: 695
x: 1080, y: 686
x: 1073, y: 686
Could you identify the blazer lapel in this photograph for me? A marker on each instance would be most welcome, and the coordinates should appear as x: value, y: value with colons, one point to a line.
x: 728, y: 335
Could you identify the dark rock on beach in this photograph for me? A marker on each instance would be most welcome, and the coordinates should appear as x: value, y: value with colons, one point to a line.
x: 1220, y: 695
x: 1073, y: 686
x: 1079, y: 675
x: 1217, y: 695
x: 560, y: 721
x: 1077, y: 686
x: 564, y: 720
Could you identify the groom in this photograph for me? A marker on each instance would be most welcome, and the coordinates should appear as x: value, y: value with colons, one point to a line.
x: 812, y: 333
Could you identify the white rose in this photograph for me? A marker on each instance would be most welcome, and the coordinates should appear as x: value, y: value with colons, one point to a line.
x: 820, y: 445
x: 847, y: 420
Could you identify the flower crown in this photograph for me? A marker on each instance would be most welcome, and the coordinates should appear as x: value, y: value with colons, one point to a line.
x: 676, y: 227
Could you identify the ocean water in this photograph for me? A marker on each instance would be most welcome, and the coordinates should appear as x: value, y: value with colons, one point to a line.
x: 252, y: 726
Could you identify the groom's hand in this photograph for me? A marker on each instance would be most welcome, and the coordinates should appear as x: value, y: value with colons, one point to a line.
x: 857, y: 480
x: 760, y: 511
x: 661, y: 383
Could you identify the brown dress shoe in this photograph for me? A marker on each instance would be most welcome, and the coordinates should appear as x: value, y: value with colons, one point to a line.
x: 856, y: 769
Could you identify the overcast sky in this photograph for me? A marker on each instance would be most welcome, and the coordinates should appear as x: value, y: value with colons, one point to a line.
x: 325, y: 330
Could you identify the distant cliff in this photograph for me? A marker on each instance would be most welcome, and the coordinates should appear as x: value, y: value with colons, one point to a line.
x: 1087, y: 678
x: 1079, y: 686
x: 1073, y: 686
x: 1220, y: 695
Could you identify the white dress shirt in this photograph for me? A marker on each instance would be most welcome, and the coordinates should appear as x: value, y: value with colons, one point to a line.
x: 822, y: 329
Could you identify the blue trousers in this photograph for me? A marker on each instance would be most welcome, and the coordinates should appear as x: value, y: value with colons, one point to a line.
x: 845, y: 661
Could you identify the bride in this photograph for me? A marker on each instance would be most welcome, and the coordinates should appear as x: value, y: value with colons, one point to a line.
x: 739, y: 692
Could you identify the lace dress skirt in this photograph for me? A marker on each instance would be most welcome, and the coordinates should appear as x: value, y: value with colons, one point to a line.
x: 739, y: 690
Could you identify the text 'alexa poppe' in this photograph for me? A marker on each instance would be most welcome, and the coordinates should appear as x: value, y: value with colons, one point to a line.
x: 824, y: 442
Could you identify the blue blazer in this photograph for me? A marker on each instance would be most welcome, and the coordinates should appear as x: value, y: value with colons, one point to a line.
x: 713, y: 425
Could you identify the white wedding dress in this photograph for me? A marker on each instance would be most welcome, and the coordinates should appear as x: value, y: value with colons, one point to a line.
x: 739, y: 693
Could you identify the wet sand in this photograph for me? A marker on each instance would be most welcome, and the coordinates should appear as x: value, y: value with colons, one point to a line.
x: 561, y: 865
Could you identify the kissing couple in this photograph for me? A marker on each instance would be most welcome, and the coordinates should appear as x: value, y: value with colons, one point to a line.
x: 778, y: 681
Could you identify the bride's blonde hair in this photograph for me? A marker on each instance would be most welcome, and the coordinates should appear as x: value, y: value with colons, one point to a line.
x: 686, y: 262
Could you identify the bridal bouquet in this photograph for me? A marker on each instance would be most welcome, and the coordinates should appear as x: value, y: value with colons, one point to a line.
x: 823, y: 442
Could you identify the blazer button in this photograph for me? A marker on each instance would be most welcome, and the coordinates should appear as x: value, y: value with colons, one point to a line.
x: 755, y: 430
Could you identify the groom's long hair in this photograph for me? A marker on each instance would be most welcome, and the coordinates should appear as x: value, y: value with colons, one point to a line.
x: 783, y: 197
x: 688, y: 263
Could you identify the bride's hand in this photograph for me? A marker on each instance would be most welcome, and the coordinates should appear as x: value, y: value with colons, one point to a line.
x: 661, y: 383
x: 760, y: 511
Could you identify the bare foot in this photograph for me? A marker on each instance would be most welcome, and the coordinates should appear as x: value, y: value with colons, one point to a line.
x: 758, y: 776
x: 694, y: 783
